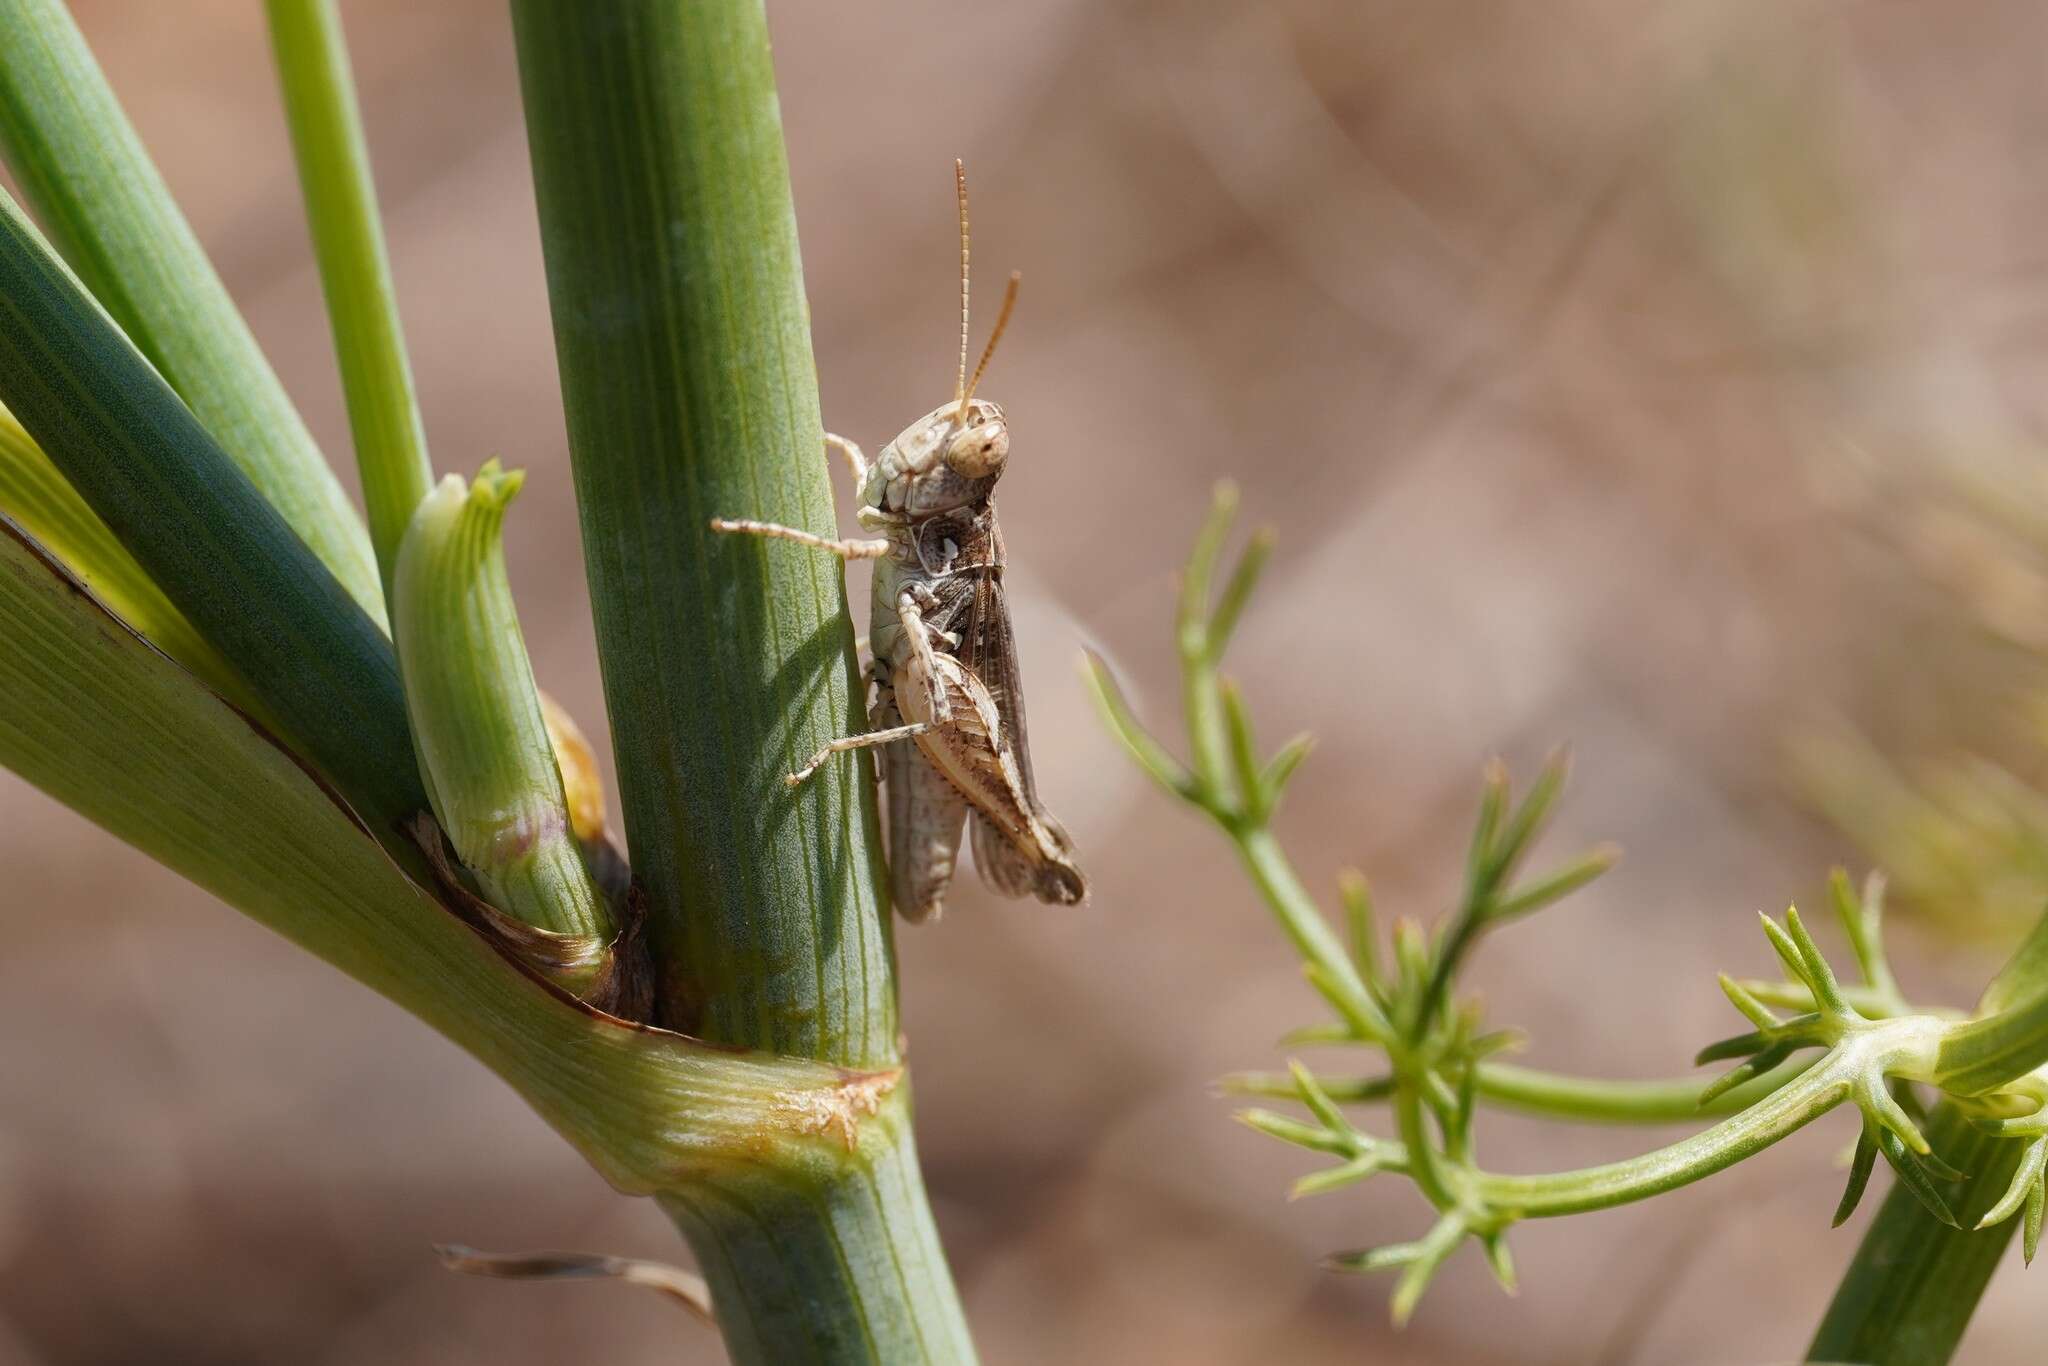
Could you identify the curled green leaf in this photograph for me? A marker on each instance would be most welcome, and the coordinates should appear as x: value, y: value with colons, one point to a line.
x: 477, y: 721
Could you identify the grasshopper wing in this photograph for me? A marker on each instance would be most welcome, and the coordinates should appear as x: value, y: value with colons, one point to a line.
x: 927, y: 817
x: 1032, y: 856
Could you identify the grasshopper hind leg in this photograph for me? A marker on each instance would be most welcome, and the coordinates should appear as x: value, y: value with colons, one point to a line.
x: 927, y: 818
x: 870, y: 740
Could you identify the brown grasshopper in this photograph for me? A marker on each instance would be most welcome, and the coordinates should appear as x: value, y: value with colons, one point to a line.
x: 943, y: 659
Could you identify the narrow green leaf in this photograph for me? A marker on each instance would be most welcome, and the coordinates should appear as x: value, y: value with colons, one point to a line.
x: 1736, y: 1046
x: 1529, y: 818
x: 1152, y: 756
x: 1334, y: 1178
x: 1735, y: 1076
x: 1500, y: 1260
x: 1290, y: 1130
x: 1280, y: 1085
x: 1493, y: 804
x: 1436, y: 1246
x: 1273, y: 779
x: 1313, y: 1096
x: 1826, y: 991
x: 205, y: 535
x: 1237, y: 591
x: 2036, y: 1195
x: 1356, y: 894
x: 1860, y: 1167
x: 1244, y: 753
x: 2020, y: 1190
x: 1755, y: 1011
x: 1363, y: 1016
x: 1194, y: 587
x: 1556, y: 886
x: 1915, y: 1177
x: 1788, y: 953
x: 81, y: 166
x: 36, y: 497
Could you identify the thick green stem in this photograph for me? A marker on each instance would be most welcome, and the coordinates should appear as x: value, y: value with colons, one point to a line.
x: 1909, y: 1294
x: 807, y: 1271
x: 690, y: 391
x: 341, y: 206
x: 82, y: 168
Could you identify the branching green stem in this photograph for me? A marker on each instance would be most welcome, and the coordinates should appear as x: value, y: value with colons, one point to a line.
x: 1874, y: 1045
x: 1555, y: 1095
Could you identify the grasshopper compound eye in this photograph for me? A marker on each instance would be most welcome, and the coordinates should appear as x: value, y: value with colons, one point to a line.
x: 980, y: 450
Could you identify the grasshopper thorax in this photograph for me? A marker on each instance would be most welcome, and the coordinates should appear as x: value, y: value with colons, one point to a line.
x: 942, y: 462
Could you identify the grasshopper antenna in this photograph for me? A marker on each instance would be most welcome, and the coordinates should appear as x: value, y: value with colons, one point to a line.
x: 960, y: 192
x: 963, y: 388
x: 1002, y: 321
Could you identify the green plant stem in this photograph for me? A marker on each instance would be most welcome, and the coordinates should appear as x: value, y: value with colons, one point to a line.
x: 1596, y: 1100
x: 1778, y: 1115
x: 1909, y: 1292
x: 81, y: 166
x: 341, y: 207
x: 1296, y: 909
x: 1554, y: 1095
x: 690, y: 391
x: 1908, y: 1295
x: 797, y: 1271
x: 1986, y: 1053
x: 206, y: 536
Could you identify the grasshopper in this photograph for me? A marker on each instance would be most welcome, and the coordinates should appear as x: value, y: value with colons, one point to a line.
x: 948, y: 714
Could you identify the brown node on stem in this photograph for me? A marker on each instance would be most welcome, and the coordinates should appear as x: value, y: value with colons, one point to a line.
x: 840, y: 1107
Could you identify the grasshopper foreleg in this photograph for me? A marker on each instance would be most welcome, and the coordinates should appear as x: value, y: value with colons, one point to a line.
x: 845, y: 550
x: 854, y: 459
x: 922, y: 668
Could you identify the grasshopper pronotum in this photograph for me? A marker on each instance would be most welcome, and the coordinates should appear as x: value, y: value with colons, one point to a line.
x: 944, y: 661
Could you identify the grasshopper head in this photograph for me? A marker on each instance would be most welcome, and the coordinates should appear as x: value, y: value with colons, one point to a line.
x: 978, y: 448
x: 941, y: 462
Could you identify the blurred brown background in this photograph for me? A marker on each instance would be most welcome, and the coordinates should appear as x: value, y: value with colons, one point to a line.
x: 1649, y: 377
